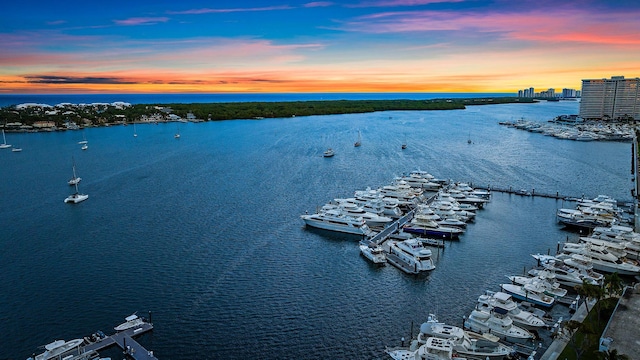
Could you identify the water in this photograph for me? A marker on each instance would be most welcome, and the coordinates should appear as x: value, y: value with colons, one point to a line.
x: 205, y: 231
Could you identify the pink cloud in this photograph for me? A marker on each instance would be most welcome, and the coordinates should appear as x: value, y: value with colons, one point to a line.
x: 393, y: 3
x: 141, y: 21
x: 56, y: 22
x: 318, y: 4
x: 231, y: 10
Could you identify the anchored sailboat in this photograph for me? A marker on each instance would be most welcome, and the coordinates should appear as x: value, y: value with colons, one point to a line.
x: 359, y: 141
x: 4, y: 144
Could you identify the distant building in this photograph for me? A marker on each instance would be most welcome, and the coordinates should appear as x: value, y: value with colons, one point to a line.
x: 569, y: 93
x: 615, y: 98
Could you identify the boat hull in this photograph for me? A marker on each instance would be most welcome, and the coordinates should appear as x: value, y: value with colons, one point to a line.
x: 335, y: 227
x: 432, y: 233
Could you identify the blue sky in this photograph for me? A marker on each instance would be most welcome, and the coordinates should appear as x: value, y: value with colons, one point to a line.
x: 302, y: 46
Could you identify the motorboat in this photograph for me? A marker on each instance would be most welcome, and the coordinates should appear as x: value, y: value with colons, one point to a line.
x: 337, y: 220
x: 500, y: 301
x: 532, y: 293
x: 619, y: 249
x: 544, y: 281
x: 432, y: 349
x: 16, y: 149
x: 373, y: 252
x: 56, y: 349
x: 465, y: 343
x: 328, y: 153
x: 352, y: 209
x: 424, y: 226
x: 410, y: 256
x: 131, y: 321
x: 602, y: 259
x: 565, y: 274
x: 417, y: 181
x: 497, y: 324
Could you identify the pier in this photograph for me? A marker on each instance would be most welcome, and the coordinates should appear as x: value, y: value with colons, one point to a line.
x: 124, y: 339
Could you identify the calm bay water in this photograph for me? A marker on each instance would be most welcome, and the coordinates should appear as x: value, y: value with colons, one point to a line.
x: 205, y: 231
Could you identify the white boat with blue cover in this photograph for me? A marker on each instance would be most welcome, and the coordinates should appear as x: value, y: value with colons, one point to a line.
x: 491, y: 300
x: 130, y: 322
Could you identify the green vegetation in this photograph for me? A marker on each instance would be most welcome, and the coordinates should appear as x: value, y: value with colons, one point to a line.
x: 97, y: 115
x: 585, y: 336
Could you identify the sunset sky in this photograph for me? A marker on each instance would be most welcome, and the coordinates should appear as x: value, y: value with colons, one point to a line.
x: 284, y: 46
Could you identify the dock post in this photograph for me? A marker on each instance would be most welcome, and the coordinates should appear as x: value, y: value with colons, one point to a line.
x: 533, y: 192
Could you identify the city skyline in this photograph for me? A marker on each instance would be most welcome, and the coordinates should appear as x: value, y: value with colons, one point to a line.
x: 321, y: 46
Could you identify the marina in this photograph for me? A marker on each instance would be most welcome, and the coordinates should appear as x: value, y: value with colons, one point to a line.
x: 166, y: 219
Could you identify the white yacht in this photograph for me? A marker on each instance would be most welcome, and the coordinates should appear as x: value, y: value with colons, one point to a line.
x: 56, y: 349
x: 336, y: 220
x: 373, y: 252
x: 465, y: 343
x: 410, y: 256
x: 422, y: 225
x: 497, y: 324
x: 530, y: 293
x: 565, y: 274
x: 130, y: 322
x: 352, y: 209
x: 543, y: 280
x: 499, y: 300
x: 602, y: 259
x: 432, y: 349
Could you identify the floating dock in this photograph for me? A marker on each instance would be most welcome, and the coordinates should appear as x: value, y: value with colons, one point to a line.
x: 124, y: 339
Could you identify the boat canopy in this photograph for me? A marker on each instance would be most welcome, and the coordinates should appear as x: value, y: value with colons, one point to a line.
x: 131, y: 317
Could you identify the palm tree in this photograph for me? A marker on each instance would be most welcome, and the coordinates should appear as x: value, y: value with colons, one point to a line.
x: 613, y: 284
x: 579, y: 336
x: 612, y: 355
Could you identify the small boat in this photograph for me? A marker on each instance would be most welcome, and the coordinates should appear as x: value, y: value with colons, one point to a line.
x: 177, y: 134
x: 359, y: 141
x: 373, y: 252
x: 130, y: 322
x: 135, y: 134
x: 84, y: 139
x: 16, y: 149
x: 328, y: 153
x: 4, y: 144
x: 84, y: 147
x: 56, y: 349
x: 337, y: 220
x: 404, y: 146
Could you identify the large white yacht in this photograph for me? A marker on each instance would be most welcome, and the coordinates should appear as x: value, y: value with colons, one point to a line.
x: 56, y: 349
x: 498, y: 324
x: 465, y: 343
x: 564, y: 273
x: 423, y: 225
x: 432, y: 349
x: 492, y: 300
x: 530, y: 293
x: 543, y: 280
x: 349, y: 207
x: 410, y: 256
x: 337, y: 220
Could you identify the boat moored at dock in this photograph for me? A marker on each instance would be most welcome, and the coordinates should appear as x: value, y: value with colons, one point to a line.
x: 410, y: 256
x: 336, y: 220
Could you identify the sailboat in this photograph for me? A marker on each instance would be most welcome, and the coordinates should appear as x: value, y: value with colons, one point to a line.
x: 16, y: 149
x: 4, y: 144
x: 135, y: 134
x: 177, y: 135
x: 404, y: 144
x: 75, y: 197
x: 359, y: 141
x: 75, y: 179
x: 469, y: 139
x: 84, y: 139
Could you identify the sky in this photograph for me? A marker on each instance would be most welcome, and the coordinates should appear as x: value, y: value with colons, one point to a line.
x: 285, y: 46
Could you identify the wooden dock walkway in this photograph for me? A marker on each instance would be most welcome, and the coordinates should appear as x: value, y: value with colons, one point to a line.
x: 125, y: 341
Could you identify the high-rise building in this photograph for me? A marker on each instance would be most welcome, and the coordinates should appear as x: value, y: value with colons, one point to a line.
x: 614, y: 98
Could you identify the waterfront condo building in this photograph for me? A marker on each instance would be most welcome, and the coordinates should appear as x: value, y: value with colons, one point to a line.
x: 615, y: 98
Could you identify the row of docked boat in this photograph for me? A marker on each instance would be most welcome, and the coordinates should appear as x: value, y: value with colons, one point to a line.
x: 602, y: 211
x: 598, y: 131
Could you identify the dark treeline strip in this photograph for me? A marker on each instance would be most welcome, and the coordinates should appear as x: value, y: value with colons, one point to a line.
x: 240, y: 110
